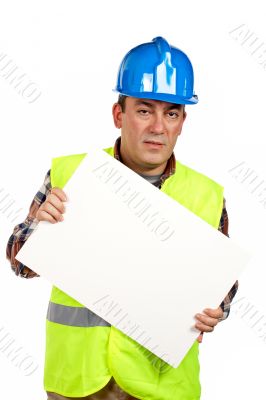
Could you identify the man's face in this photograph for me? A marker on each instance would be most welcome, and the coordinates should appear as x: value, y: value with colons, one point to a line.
x: 149, y: 130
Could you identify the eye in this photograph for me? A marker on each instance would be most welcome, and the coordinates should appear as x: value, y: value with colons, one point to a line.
x: 143, y: 112
x: 173, y: 114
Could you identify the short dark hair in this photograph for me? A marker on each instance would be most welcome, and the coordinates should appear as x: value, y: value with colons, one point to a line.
x: 122, y: 102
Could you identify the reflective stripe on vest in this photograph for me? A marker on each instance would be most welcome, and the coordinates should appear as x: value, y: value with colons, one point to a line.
x: 74, y: 316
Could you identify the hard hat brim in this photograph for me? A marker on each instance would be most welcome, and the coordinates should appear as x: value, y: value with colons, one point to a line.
x: 169, y: 98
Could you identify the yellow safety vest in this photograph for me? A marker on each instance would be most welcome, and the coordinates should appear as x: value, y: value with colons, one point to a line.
x: 83, y: 351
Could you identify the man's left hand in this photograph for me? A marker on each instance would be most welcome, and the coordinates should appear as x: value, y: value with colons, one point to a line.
x: 208, y: 320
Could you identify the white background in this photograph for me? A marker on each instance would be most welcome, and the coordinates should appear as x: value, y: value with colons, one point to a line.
x: 72, y: 50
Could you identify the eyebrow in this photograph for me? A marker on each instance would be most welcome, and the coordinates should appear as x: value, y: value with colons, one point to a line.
x: 146, y: 103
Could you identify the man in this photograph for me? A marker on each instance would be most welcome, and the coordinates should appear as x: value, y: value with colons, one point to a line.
x: 85, y: 356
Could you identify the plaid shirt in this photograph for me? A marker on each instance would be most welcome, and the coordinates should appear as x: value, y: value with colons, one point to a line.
x: 23, y: 230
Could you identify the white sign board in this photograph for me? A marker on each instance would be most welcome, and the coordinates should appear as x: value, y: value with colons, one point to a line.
x: 134, y: 256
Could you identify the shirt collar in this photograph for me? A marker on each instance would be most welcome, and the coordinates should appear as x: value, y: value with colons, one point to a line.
x: 169, y: 169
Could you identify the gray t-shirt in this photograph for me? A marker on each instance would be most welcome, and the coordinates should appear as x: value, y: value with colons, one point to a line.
x: 154, y: 179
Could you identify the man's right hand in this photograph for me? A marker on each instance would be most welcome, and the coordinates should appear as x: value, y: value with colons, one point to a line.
x: 53, y: 207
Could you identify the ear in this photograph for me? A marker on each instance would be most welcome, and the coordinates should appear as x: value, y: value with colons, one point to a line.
x: 117, y: 115
x: 184, y: 118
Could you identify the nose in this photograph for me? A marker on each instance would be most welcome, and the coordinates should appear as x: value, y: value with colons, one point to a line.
x: 157, y: 124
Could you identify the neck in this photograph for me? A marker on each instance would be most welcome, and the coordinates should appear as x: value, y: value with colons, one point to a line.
x: 145, y: 170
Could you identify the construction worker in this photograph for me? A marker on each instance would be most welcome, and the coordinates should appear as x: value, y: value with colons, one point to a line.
x: 86, y: 357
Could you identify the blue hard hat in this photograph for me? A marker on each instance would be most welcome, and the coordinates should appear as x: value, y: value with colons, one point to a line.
x: 157, y: 71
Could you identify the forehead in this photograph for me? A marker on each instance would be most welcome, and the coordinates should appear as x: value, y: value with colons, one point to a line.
x: 134, y: 101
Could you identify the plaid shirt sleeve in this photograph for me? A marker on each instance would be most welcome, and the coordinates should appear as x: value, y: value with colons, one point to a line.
x: 23, y: 230
x: 225, y: 305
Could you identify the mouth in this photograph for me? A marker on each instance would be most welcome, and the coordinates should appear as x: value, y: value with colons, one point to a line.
x: 153, y: 143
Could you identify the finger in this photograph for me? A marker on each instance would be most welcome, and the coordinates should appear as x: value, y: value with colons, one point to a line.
x: 53, y: 211
x: 59, y: 193
x: 204, y: 328
x: 215, y: 313
x: 206, y: 320
x: 56, y: 203
x: 45, y: 216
